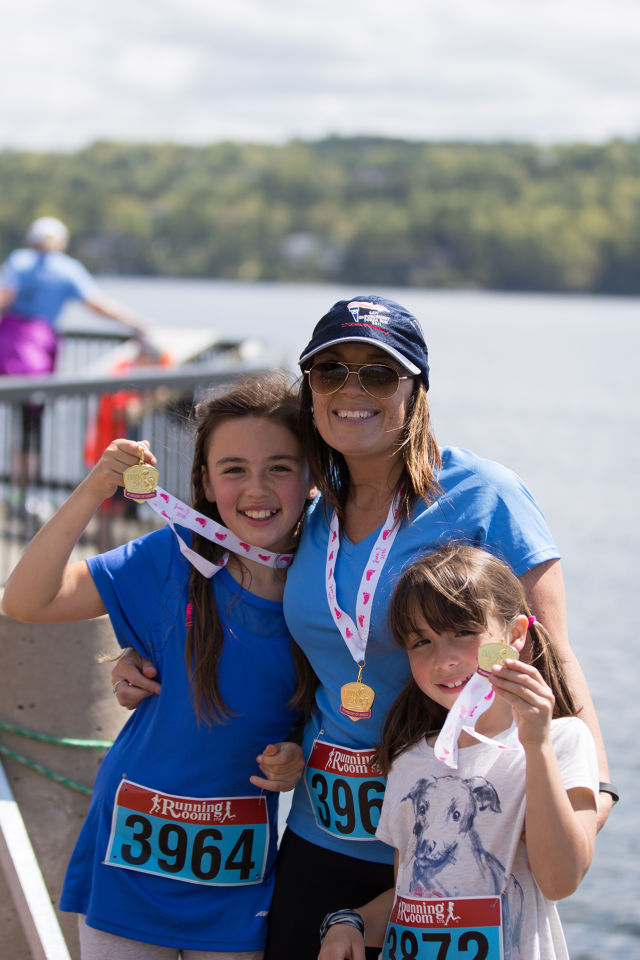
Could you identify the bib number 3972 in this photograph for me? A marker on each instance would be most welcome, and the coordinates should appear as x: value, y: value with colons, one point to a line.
x: 345, y: 790
x: 222, y: 841
x: 465, y: 927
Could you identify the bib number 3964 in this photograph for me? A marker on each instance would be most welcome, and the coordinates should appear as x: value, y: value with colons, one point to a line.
x: 345, y: 790
x: 465, y: 927
x: 222, y: 841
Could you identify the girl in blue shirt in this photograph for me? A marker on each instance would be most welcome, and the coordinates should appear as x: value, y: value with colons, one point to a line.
x: 178, y: 849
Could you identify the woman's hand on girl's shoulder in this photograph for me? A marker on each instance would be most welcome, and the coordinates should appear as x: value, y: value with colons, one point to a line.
x: 282, y: 765
x: 132, y: 679
x: 530, y: 697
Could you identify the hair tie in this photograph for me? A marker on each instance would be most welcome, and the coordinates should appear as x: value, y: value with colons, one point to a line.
x: 531, y: 621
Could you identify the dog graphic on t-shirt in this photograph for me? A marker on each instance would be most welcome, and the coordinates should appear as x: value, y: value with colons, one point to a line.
x: 449, y: 858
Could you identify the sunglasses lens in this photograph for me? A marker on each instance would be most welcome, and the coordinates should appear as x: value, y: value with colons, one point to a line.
x: 327, y: 377
x: 379, y: 380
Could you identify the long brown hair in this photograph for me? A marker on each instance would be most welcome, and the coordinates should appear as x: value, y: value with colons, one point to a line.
x: 459, y: 586
x: 420, y: 455
x: 270, y: 396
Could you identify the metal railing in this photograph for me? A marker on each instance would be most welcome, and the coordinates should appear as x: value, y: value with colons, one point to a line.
x: 39, y: 468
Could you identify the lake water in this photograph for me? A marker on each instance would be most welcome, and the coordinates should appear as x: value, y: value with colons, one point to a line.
x: 549, y: 386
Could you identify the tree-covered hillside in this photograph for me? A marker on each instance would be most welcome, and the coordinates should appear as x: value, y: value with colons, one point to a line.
x: 498, y: 215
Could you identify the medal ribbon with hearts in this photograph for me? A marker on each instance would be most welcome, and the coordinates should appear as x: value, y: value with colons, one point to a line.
x: 475, y: 699
x: 356, y: 636
x: 174, y: 511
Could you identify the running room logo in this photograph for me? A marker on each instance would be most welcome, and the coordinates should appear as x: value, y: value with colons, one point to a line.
x: 359, y: 762
x: 206, y: 811
x: 411, y: 913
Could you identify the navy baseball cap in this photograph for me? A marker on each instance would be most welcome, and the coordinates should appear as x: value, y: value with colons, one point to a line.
x: 376, y: 321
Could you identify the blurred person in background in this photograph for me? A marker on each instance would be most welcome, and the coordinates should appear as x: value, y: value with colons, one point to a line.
x: 36, y: 283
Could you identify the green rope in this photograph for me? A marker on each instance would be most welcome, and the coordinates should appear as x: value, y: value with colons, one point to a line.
x: 45, y: 738
x: 48, y: 773
x: 64, y: 741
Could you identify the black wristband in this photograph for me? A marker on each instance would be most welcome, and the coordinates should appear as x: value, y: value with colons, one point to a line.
x: 610, y: 789
x: 352, y: 917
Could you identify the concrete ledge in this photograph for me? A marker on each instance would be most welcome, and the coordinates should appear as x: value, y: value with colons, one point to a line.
x: 51, y: 682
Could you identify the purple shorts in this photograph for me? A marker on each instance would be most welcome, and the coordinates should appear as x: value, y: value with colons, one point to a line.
x: 28, y: 345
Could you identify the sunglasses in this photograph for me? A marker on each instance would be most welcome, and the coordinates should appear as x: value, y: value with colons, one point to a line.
x: 376, y: 379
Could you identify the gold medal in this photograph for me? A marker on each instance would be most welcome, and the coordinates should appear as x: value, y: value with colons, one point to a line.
x: 141, y: 480
x: 492, y: 653
x: 356, y: 699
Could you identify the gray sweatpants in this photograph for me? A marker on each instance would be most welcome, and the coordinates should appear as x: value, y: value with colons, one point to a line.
x: 98, y: 945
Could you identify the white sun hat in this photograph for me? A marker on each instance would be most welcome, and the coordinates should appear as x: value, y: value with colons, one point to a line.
x: 48, y: 232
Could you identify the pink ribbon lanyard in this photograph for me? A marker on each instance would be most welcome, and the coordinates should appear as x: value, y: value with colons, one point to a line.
x: 475, y: 699
x: 356, y: 636
x: 173, y: 511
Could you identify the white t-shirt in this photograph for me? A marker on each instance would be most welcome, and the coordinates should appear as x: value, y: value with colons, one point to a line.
x: 458, y: 833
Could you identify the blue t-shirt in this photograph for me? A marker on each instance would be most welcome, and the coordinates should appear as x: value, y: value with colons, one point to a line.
x: 44, y: 281
x: 144, y: 586
x: 483, y: 504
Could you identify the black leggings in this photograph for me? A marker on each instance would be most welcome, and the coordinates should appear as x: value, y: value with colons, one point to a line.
x: 310, y: 882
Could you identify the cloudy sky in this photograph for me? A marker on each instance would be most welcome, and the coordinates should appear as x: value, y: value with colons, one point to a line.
x: 197, y: 71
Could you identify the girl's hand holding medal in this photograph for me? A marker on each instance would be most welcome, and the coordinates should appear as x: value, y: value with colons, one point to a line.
x: 125, y: 463
x: 530, y: 697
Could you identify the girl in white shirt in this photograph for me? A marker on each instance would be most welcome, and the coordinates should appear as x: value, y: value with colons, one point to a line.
x: 491, y: 797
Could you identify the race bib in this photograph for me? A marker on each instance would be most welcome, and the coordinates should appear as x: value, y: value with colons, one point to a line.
x: 464, y: 928
x: 221, y: 841
x: 345, y: 790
